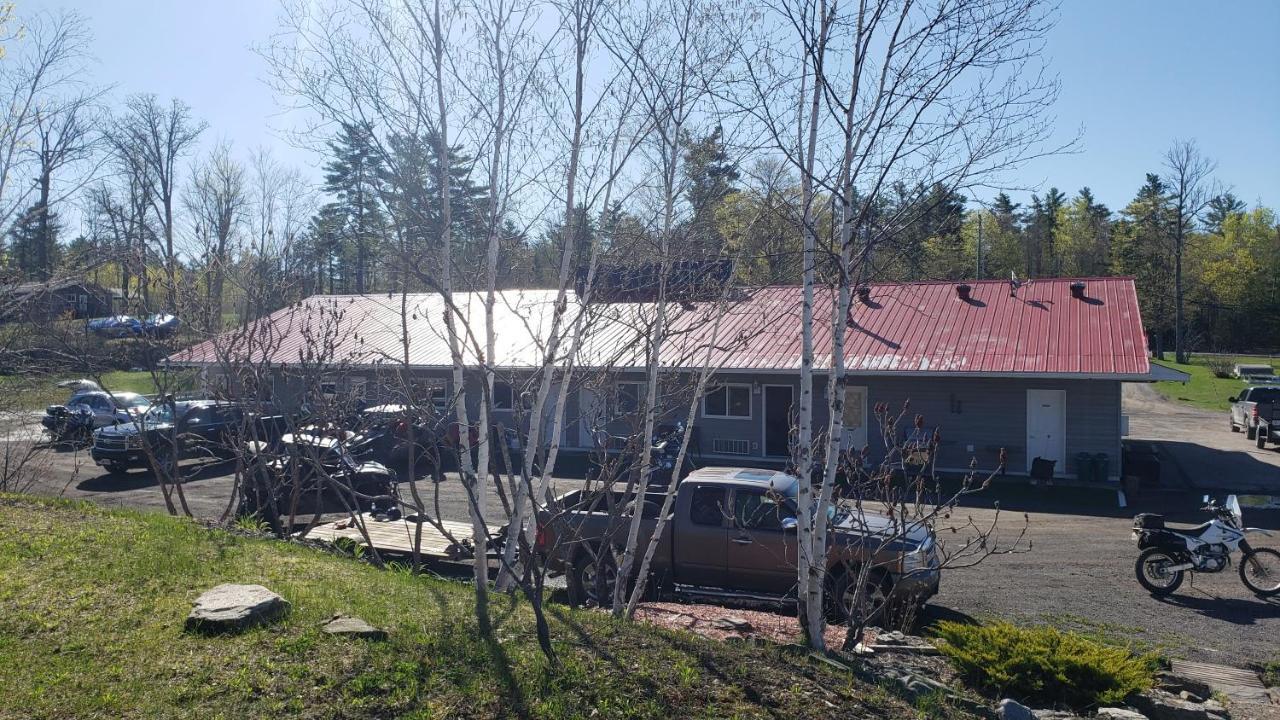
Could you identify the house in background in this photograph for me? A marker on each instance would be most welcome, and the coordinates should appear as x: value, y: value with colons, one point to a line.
x: 56, y: 300
x: 1034, y: 369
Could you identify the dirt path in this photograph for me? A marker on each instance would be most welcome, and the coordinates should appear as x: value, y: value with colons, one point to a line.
x: 1196, y: 448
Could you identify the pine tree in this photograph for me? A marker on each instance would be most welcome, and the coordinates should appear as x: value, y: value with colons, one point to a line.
x: 353, y: 176
x: 33, y: 243
x: 1140, y: 250
x: 711, y: 176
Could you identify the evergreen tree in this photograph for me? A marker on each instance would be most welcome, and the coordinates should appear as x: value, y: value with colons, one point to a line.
x: 33, y: 244
x: 1140, y: 250
x: 1220, y: 208
x: 711, y: 176
x: 353, y: 176
x: 1041, y: 223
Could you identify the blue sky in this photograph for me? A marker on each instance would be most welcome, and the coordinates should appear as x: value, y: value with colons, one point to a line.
x: 1135, y: 77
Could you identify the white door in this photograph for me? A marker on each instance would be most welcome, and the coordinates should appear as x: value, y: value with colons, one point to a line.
x: 855, y: 418
x: 592, y: 416
x: 1047, y: 427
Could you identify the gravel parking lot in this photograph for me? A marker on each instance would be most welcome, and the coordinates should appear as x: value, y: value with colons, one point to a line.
x: 1078, y: 574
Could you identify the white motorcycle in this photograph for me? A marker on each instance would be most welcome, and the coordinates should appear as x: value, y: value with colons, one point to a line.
x: 1169, y: 553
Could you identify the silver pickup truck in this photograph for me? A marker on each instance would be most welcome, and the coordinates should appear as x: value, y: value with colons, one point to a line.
x: 1252, y: 405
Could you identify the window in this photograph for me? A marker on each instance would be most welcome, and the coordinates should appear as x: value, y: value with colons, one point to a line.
x: 503, y: 396
x: 728, y: 401
x: 329, y: 390
x: 707, y: 506
x: 629, y: 397
x: 759, y: 510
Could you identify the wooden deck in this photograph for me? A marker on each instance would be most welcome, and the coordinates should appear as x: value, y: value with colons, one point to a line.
x: 396, y: 537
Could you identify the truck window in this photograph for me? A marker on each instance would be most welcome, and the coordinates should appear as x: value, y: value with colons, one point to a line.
x: 759, y: 510
x: 707, y: 506
x: 1264, y: 394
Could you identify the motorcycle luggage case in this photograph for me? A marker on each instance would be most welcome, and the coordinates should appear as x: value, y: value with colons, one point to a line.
x: 1148, y: 521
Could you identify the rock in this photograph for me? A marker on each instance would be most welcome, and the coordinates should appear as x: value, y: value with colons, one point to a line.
x: 1190, y: 697
x: 230, y: 607
x: 732, y: 623
x: 1162, y: 705
x: 353, y: 627
x: 1111, y: 713
x: 1009, y: 709
x: 1054, y: 715
x: 891, y: 638
x: 1176, y: 683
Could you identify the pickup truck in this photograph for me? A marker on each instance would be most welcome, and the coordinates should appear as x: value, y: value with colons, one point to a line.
x: 732, y: 537
x: 1252, y: 404
x: 200, y: 428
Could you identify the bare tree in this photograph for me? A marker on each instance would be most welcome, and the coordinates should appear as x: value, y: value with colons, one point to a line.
x: 217, y: 201
x: 149, y: 139
x: 1189, y: 177
x: 44, y: 123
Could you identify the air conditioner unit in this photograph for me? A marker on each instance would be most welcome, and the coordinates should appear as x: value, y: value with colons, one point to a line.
x: 729, y: 446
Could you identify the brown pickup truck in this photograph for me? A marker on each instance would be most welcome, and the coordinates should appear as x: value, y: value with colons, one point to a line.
x: 732, y: 536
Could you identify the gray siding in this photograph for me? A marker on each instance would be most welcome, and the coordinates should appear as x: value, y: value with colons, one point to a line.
x: 975, y: 417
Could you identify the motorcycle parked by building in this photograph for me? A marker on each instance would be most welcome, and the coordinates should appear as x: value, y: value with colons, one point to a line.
x: 1169, y: 553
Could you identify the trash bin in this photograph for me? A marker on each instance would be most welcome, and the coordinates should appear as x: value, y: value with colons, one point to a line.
x: 1101, y: 467
x: 1084, y: 467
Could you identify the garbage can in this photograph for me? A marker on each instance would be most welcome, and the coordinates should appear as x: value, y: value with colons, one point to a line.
x: 1084, y: 467
x: 1101, y: 467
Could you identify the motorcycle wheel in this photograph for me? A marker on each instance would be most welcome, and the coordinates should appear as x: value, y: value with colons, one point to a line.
x: 1150, y: 569
x: 1260, y: 571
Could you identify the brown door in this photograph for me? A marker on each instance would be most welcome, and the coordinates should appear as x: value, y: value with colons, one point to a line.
x: 699, y: 551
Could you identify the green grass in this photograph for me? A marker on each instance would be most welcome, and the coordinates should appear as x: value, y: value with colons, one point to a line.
x: 1204, y: 390
x: 36, y: 393
x: 1043, y: 666
x: 92, y: 604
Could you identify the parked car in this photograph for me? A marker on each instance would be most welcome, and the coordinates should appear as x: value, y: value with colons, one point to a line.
x: 1251, y: 404
x: 158, y: 325
x: 732, y: 536
x: 313, y: 472
x: 185, y: 429
x: 88, y: 410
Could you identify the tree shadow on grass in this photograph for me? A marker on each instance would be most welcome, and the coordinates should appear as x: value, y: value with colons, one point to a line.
x: 509, y: 687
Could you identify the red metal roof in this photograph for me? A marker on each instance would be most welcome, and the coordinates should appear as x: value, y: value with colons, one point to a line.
x: 908, y: 328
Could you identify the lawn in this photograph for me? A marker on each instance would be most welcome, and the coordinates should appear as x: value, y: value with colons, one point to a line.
x: 92, y: 604
x: 1204, y: 390
x: 36, y: 393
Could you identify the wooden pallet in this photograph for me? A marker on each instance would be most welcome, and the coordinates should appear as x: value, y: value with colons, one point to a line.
x: 396, y: 537
x: 1242, y: 686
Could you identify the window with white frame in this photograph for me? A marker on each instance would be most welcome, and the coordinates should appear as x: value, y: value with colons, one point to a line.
x: 728, y: 401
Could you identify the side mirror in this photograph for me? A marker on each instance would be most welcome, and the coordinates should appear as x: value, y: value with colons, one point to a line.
x: 1231, y: 399
x: 789, y: 524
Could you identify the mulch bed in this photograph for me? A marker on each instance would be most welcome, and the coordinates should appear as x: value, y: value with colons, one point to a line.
x: 720, y: 623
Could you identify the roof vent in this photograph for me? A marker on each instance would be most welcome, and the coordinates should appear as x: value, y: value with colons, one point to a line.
x: 962, y: 291
x: 864, y: 294
x: 1077, y: 290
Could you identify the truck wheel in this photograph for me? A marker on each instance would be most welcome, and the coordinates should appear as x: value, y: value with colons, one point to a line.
x: 1234, y: 427
x: 593, y: 580
x: 1262, y: 434
x: 1250, y: 432
x: 842, y: 598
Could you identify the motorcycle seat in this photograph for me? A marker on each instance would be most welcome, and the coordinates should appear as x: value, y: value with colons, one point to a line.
x: 1196, y: 531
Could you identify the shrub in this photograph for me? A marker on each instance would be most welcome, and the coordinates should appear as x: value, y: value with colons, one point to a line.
x: 1045, y: 666
x: 1221, y: 367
